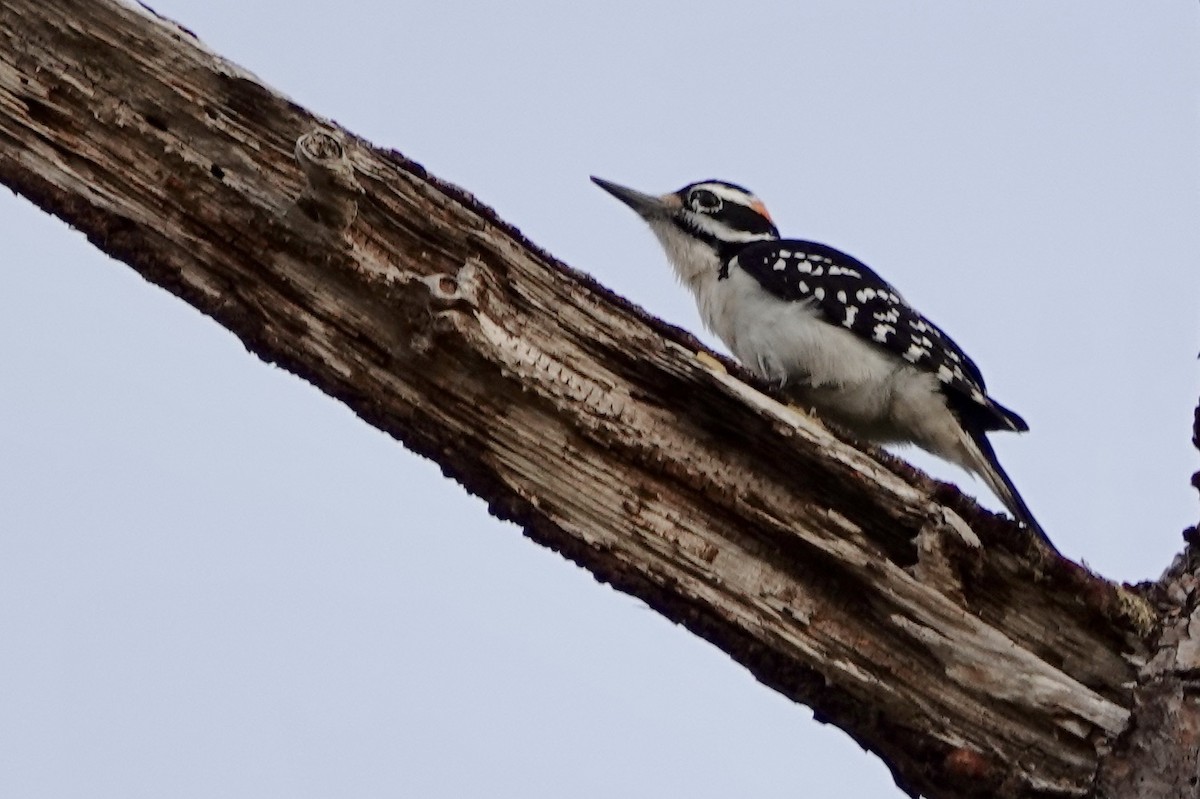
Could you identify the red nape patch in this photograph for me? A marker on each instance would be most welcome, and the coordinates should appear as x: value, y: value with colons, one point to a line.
x: 757, y: 205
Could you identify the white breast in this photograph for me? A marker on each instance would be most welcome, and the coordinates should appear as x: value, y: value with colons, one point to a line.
x: 827, y: 367
x: 787, y: 341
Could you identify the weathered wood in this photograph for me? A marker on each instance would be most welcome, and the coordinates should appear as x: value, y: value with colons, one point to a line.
x: 1158, y: 755
x: 946, y: 640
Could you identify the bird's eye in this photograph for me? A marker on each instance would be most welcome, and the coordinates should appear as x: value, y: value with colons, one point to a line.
x: 705, y: 201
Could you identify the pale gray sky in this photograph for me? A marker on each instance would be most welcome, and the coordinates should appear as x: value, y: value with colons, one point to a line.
x: 216, y: 581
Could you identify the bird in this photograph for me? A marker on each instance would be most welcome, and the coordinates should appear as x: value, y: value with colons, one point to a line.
x: 828, y: 330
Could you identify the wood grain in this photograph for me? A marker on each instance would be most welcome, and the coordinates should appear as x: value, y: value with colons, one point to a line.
x: 974, y: 661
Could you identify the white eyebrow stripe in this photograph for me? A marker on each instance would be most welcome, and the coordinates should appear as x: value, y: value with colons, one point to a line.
x: 728, y: 194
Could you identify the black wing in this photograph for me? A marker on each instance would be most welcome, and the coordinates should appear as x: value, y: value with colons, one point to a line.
x: 850, y: 294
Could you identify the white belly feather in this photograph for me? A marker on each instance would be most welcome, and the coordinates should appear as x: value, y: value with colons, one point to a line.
x: 826, y: 367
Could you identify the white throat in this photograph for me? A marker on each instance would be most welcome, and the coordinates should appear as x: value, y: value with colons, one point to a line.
x: 692, y: 259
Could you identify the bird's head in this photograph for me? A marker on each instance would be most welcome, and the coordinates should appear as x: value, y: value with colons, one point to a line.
x: 703, y: 224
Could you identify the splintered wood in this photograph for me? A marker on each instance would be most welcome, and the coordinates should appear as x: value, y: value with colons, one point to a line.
x: 942, y: 638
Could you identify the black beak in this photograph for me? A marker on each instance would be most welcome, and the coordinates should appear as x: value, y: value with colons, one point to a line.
x: 647, y: 205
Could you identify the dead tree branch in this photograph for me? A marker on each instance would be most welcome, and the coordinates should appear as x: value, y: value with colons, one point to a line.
x: 942, y: 638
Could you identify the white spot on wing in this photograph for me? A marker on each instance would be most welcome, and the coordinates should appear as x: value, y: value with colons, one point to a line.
x: 851, y: 312
x: 819, y: 293
x: 882, y: 332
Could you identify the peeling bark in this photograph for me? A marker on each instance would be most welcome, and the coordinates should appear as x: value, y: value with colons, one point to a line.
x: 1159, y: 753
x: 973, y: 660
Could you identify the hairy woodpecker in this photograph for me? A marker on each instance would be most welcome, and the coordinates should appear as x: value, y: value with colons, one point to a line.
x: 844, y: 342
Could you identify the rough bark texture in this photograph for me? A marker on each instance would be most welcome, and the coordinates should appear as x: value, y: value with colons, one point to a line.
x: 1159, y: 753
x: 972, y: 660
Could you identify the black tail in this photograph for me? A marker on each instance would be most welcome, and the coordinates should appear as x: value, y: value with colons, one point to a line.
x: 1002, y: 485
